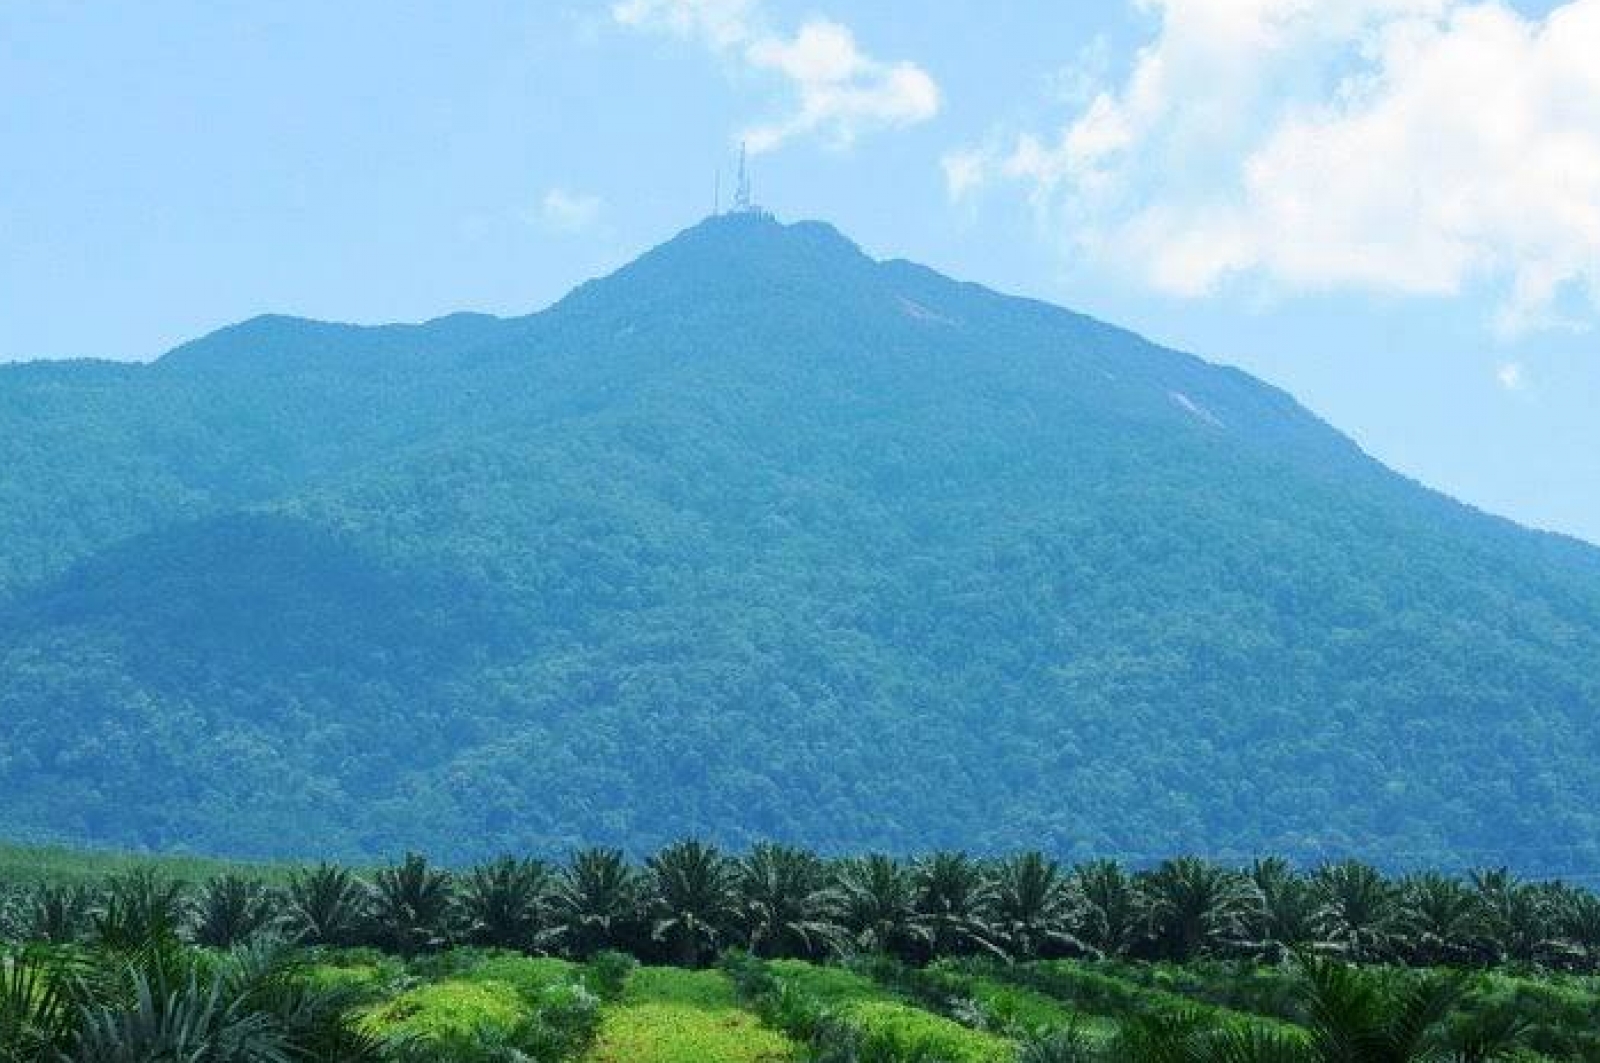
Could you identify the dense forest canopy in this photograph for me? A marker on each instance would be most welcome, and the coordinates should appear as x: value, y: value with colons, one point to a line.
x: 760, y: 537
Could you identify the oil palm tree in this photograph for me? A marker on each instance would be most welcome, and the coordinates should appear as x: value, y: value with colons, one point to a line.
x: 316, y: 1018
x: 1035, y: 906
x: 1114, y: 916
x: 693, y: 902
x: 507, y: 903
x: 54, y: 914
x: 252, y: 1005
x: 1189, y: 1037
x: 231, y: 909
x: 1441, y: 918
x: 1286, y: 918
x: 1515, y: 916
x: 41, y: 990
x: 1369, y: 1017
x: 412, y: 906
x: 954, y: 900
x: 1576, y: 916
x: 597, y: 901
x: 326, y: 905
x: 1358, y: 911
x: 786, y: 905
x: 878, y: 906
x: 1196, y: 906
x: 1351, y: 1016
x: 139, y: 909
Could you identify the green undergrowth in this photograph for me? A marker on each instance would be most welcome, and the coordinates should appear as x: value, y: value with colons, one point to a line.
x: 1560, y: 1015
x: 471, y: 1005
x: 445, y: 1010
x: 967, y: 993
x: 668, y: 1015
x: 833, y: 1004
x: 368, y: 971
x: 1232, y: 985
x: 1110, y: 997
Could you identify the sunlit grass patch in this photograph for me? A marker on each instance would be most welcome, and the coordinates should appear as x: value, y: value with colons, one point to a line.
x: 447, y: 1010
x: 530, y: 975
x: 675, y: 1016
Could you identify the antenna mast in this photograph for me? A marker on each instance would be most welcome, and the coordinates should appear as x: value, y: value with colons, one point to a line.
x: 741, y: 198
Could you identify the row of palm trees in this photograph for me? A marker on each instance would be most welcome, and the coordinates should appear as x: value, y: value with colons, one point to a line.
x: 689, y: 901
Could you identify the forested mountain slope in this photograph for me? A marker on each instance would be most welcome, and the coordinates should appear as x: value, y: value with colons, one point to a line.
x: 759, y: 537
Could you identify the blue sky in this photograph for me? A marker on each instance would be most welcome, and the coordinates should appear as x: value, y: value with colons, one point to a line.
x: 1389, y: 207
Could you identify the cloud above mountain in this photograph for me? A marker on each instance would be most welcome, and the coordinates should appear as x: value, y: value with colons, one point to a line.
x: 565, y: 211
x: 838, y: 92
x: 1419, y: 147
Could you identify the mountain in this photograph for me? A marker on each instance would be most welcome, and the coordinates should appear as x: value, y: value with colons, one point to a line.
x: 759, y: 537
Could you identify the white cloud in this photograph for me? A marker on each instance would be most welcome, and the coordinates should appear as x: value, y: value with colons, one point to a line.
x: 568, y: 212
x: 721, y: 23
x: 964, y: 170
x: 1511, y: 376
x: 1410, y: 146
x: 839, y: 91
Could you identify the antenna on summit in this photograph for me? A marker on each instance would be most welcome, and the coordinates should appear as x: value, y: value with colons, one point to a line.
x: 742, y: 203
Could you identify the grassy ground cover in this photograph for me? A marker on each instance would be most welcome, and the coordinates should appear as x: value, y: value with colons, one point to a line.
x: 1017, y: 1008
x: 447, y: 1010
x: 669, y: 1015
x: 887, y: 1018
x: 26, y: 864
x: 1098, y: 992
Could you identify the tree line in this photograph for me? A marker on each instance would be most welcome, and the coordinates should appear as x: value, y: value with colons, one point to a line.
x: 690, y: 901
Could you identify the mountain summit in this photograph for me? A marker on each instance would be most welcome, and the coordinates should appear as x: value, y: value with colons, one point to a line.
x: 762, y: 538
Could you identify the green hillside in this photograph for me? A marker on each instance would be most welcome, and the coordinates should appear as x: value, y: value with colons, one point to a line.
x: 759, y: 537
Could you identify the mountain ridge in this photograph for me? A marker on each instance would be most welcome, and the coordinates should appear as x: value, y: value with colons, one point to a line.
x: 759, y: 536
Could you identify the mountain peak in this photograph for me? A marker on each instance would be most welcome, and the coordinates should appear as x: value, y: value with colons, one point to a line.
x: 733, y: 257
x: 761, y: 231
